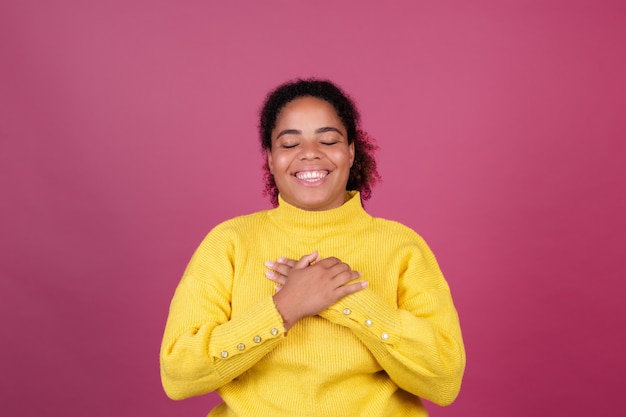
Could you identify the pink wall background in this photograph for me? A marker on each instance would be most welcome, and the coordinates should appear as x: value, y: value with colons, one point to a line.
x: 127, y: 131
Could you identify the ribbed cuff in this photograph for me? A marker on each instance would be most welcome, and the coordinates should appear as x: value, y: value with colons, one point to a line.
x: 369, y: 315
x: 241, y: 342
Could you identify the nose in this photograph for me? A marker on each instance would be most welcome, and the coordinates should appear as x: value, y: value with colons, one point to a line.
x: 310, y: 151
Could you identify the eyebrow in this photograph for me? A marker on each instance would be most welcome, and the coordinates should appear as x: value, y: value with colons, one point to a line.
x: 299, y: 132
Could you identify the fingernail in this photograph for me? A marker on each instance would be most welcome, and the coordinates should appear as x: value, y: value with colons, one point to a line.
x: 280, y: 260
x: 363, y: 284
x: 269, y: 264
x: 277, y: 287
x: 270, y: 274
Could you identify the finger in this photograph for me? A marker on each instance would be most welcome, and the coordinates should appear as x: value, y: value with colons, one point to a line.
x: 346, y: 277
x: 276, y: 277
x: 328, y: 263
x: 287, y: 261
x: 282, y: 265
x: 306, y: 260
x: 331, y: 260
x: 346, y: 290
x: 338, y: 269
x: 282, y: 269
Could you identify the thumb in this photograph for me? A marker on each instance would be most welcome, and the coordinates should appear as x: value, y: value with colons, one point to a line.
x: 307, y: 260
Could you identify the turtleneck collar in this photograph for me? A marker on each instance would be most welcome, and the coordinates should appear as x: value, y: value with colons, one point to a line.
x: 294, y: 219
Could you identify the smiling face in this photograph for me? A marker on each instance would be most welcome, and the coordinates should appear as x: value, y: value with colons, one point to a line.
x: 310, y: 157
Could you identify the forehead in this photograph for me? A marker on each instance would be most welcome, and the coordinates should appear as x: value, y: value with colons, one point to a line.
x: 308, y: 110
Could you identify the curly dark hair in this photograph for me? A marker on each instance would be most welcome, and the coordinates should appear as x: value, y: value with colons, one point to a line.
x: 363, y: 174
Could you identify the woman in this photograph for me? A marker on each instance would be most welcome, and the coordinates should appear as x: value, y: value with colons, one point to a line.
x: 313, y: 308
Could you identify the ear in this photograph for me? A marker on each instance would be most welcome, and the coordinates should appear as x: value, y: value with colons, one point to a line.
x: 351, y: 147
x: 270, y: 163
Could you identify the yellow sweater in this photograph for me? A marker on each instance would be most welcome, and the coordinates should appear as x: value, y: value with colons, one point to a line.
x: 373, y: 353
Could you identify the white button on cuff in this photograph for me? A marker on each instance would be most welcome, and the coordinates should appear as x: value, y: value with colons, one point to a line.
x: 224, y: 354
x: 347, y: 311
x: 257, y: 339
x: 384, y: 336
x: 368, y: 323
x: 274, y: 331
x: 241, y: 346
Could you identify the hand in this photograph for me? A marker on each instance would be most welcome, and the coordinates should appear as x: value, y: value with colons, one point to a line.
x: 279, y: 270
x: 310, y: 285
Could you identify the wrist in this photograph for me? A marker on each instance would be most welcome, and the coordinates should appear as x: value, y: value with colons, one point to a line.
x: 289, y: 318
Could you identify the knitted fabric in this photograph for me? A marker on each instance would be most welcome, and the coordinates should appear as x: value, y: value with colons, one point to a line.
x: 373, y: 353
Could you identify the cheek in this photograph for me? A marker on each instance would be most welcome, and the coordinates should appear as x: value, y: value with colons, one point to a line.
x: 278, y: 163
x: 344, y: 158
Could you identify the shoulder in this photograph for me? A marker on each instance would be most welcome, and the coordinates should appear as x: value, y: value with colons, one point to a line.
x: 241, y: 222
x: 406, y: 246
x: 225, y: 237
x: 398, y: 236
x: 237, y: 227
x: 396, y: 228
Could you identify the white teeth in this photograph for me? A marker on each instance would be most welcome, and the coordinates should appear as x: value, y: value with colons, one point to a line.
x: 311, y: 176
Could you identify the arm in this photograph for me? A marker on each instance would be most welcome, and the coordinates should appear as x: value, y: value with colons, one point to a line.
x: 420, y: 356
x: 313, y: 288
x: 417, y: 340
x: 203, y: 348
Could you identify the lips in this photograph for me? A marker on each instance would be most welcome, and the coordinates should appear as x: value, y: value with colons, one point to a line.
x: 311, y: 176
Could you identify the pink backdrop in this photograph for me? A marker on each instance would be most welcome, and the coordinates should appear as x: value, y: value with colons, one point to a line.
x: 127, y: 131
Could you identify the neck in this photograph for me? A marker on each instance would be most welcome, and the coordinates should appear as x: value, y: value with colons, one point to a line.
x: 309, y: 223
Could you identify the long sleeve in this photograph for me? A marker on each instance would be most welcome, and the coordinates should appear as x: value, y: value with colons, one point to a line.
x: 203, y: 347
x: 375, y: 352
x: 418, y: 340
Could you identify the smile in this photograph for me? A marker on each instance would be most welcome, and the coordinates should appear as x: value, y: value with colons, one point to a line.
x: 311, y: 176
